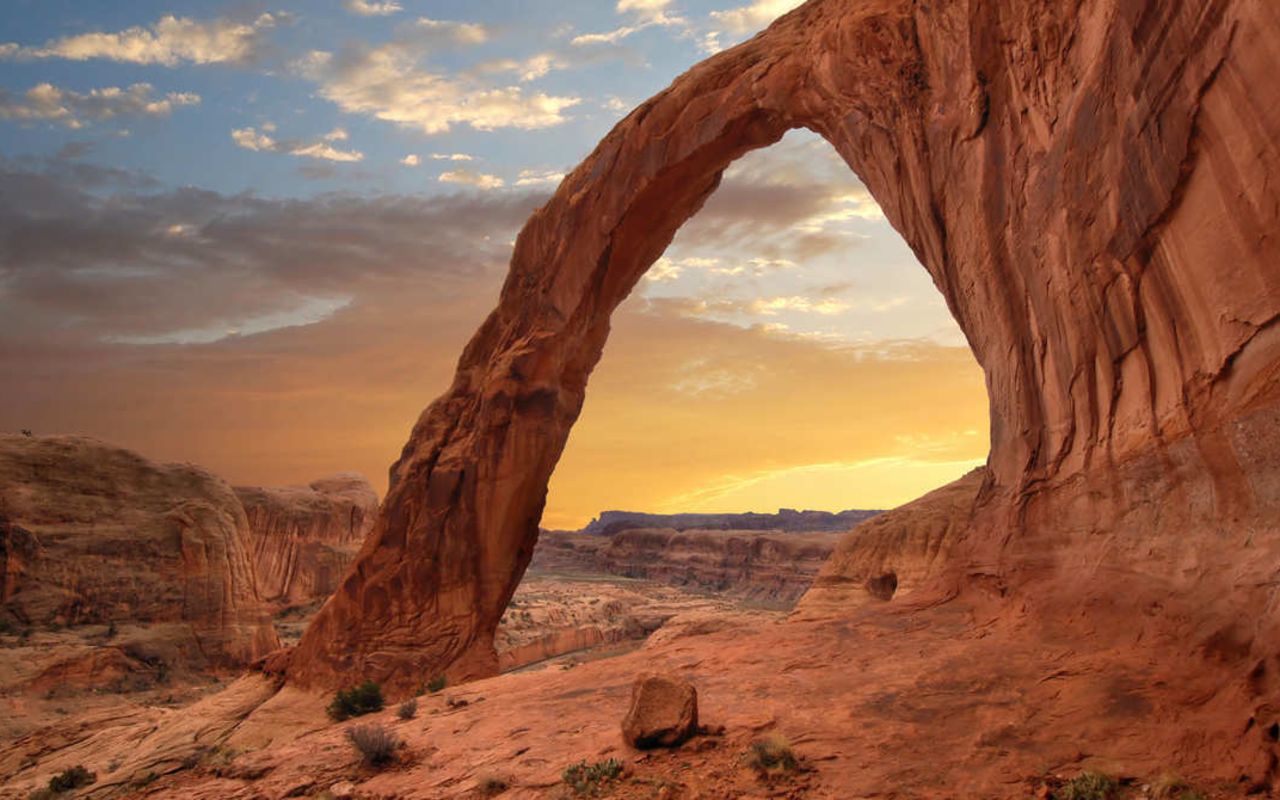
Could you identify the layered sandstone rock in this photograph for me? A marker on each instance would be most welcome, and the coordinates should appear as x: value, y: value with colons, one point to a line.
x: 787, y: 519
x: 894, y: 553
x: 304, y: 537
x: 553, y: 614
x: 1092, y: 187
x: 93, y: 534
x: 770, y: 568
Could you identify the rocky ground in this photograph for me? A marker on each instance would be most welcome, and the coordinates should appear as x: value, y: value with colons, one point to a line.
x: 868, y: 705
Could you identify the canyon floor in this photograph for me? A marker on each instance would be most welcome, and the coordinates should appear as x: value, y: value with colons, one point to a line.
x: 918, y: 700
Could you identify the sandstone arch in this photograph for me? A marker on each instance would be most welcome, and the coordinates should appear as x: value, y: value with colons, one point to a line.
x: 1091, y: 185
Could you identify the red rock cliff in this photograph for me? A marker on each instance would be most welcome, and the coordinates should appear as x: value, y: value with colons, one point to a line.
x: 1093, y: 187
x: 304, y: 537
x: 94, y: 533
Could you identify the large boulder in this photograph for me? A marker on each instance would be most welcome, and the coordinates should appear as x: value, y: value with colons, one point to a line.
x: 663, y: 712
x: 304, y: 537
x: 95, y: 534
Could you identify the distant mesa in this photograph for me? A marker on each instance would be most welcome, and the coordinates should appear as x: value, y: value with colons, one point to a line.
x: 787, y: 519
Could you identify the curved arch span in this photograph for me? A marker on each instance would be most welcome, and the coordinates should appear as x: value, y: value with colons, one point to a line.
x: 1039, y: 204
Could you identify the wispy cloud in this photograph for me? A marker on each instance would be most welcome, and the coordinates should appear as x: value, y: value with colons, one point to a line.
x: 479, y: 180
x: 48, y: 103
x: 642, y: 14
x: 539, y: 177
x: 323, y: 149
x: 170, y: 41
x: 366, y: 8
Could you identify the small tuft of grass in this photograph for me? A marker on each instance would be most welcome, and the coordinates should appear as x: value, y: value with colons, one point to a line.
x: 492, y: 786
x: 1088, y: 786
x: 408, y: 709
x: 356, y: 701
x: 375, y: 744
x: 436, y: 684
x: 772, y: 755
x: 587, y: 780
x: 1171, y: 787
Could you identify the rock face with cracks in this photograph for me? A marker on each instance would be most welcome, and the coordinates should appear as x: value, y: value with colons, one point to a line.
x: 91, y: 533
x: 1093, y: 187
x: 304, y: 537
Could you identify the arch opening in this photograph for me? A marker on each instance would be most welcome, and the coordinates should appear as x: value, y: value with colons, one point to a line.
x: 787, y: 350
x: 786, y: 357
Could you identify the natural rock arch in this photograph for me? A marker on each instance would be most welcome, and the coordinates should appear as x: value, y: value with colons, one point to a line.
x: 1091, y: 186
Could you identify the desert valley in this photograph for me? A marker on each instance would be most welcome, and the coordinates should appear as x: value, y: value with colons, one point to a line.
x: 1086, y: 611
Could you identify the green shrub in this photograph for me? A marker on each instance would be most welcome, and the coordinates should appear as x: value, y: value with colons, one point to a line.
x: 492, y: 785
x: 69, y: 780
x: 356, y: 701
x: 408, y: 709
x: 772, y: 754
x: 375, y: 743
x: 1088, y: 786
x: 588, y: 779
x: 436, y: 684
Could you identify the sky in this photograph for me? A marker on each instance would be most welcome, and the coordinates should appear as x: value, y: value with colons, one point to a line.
x: 255, y: 237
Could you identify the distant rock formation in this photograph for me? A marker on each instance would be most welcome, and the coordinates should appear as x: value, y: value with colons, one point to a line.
x: 91, y: 533
x: 787, y: 519
x: 770, y: 568
x: 304, y: 537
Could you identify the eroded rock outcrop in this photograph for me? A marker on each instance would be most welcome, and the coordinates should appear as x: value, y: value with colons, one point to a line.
x: 304, y: 537
x: 896, y: 552
x: 94, y: 534
x: 1091, y: 185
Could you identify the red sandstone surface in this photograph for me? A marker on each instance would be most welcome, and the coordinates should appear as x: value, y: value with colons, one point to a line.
x: 304, y: 537
x: 1091, y: 184
x: 93, y: 534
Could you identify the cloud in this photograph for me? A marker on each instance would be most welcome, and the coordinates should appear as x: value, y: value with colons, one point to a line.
x: 323, y: 150
x: 48, y: 103
x: 643, y: 13
x: 479, y: 180
x: 169, y: 42
x: 753, y: 17
x: 539, y: 177
x: 411, y: 160
x: 771, y: 306
x: 608, y: 37
x: 527, y: 69
x: 451, y: 157
x: 103, y: 257
x: 390, y: 82
x: 365, y: 8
